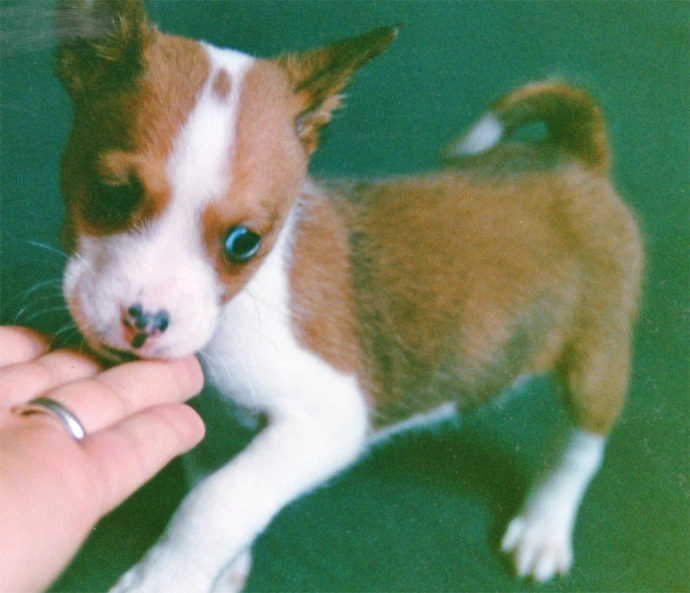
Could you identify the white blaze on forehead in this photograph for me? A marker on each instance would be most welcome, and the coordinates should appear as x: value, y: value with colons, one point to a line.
x: 198, y: 169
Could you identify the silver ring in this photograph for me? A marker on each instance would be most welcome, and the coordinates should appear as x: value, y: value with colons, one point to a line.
x: 44, y: 405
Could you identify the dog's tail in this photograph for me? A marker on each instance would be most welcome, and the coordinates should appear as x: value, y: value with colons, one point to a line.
x: 574, y: 123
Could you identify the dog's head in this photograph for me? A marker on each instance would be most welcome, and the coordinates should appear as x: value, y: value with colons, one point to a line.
x: 181, y: 168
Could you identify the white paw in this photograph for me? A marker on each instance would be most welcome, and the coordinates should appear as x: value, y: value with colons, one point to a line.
x: 133, y: 581
x: 154, y: 576
x: 233, y: 578
x: 540, y: 545
x: 143, y: 579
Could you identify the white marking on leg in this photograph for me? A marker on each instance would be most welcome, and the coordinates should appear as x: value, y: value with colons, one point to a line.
x: 540, y: 537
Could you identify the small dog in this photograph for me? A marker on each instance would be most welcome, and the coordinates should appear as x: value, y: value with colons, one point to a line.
x: 338, y: 309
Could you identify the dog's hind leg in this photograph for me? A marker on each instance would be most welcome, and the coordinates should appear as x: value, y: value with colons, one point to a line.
x: 594, y: 375
x: 540, y: 537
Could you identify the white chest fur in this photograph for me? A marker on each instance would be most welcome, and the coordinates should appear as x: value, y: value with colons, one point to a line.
x: 254, y: 357
x: 249, y: 357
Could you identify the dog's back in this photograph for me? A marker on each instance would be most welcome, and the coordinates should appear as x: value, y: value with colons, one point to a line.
x: 518, y: 258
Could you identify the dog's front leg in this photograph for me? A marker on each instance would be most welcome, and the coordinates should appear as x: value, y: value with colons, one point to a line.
x: 306, y: 442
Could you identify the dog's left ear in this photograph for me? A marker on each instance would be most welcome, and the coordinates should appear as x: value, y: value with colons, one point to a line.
x: 318, y: 76
x: 101, y: 44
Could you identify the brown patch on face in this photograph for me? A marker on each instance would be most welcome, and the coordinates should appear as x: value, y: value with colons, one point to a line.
x: 222, y: 84
x: 113, y: 171
x: 268, y: 169
x: 269, y: 164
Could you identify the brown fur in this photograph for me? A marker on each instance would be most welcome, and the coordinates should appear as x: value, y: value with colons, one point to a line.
x: 322, y: 297
x: 222, y: 85
x: 464, y: 284
x: 573, y: 119
x: 101, y: 45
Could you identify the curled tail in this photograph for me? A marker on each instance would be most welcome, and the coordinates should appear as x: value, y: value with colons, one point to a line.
x: 574, y: 123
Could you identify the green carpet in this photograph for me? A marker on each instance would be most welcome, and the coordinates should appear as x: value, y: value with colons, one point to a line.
x: 426, y: 512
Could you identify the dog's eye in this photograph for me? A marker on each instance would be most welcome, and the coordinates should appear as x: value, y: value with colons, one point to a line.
x: 112, y: 204
x: 120, y: 198
x: 241, y: 244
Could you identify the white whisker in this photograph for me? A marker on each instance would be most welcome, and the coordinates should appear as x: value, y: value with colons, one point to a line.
x: 50, y: 283
x: 70, y: 329
x: 45, y: 311
x: 49, y: 248
x: 34, y: 303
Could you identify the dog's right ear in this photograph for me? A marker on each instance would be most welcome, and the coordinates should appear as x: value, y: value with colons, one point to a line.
x: 319, y: 76
x: 100, y: 44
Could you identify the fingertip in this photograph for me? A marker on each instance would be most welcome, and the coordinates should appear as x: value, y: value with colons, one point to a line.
x: 20, y: 344
x: 179, y: 420
x: 191, y: 427
x: 131, y: 452
x: 189, y: 375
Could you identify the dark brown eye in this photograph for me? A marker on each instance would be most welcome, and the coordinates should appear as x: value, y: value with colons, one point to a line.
x: 241, y: 244
x: 112, y: 203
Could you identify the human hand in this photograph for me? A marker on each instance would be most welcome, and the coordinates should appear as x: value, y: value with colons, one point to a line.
x: 53, y: 489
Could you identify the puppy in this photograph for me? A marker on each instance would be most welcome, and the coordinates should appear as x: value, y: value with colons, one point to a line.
x: 339, y: 310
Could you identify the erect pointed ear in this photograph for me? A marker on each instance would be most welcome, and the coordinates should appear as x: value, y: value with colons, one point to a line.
x: 100, y: 44
x: 318, y: 76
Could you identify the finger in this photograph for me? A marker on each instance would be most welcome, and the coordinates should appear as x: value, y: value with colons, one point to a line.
x: 19, y: 344
x: 24, y: 381
x: 131, y: 452
x: 124, y: 390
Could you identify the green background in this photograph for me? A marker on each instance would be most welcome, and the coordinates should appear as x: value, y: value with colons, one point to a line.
x: 425, y: 512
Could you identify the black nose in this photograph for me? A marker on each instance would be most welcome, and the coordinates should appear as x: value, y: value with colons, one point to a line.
x: 141, y: 324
